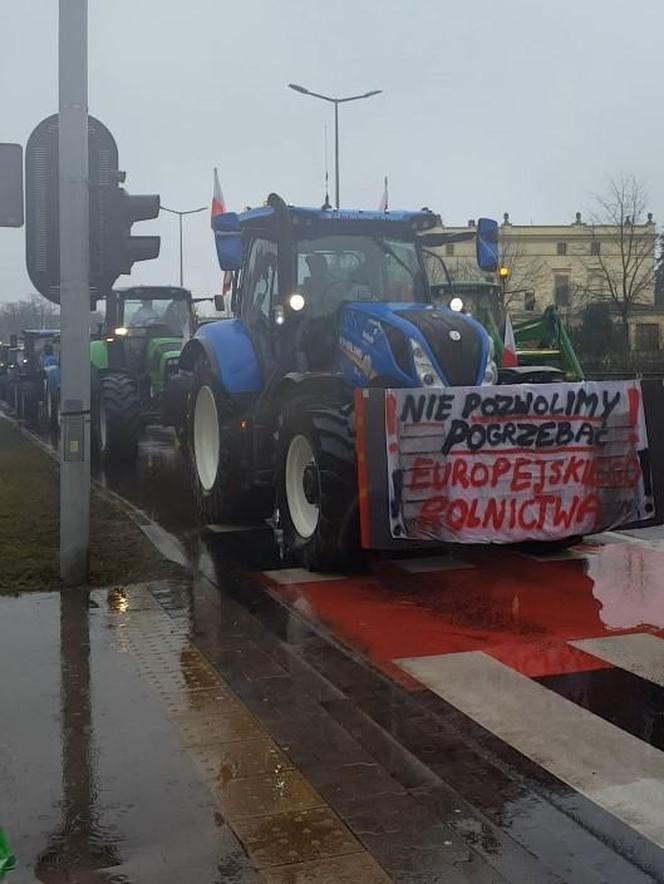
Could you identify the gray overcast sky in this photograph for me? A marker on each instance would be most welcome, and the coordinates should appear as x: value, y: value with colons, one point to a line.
x: 490, y: 106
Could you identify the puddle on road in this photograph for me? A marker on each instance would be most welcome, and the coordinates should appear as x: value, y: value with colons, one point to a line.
x: 92, y: 775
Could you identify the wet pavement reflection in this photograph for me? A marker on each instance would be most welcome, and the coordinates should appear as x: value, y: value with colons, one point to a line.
x: 320, y: 721
x: 98, y: 786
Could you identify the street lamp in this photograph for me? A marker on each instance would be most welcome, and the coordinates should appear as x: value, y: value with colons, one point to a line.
x: 180, y: 217
x: 336, y: 102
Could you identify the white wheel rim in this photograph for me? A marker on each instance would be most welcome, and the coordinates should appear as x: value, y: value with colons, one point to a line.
x: 304, y: 515
x: 206, y: 438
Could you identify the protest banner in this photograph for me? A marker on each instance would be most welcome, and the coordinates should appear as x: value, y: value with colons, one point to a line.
x: 510, y: 463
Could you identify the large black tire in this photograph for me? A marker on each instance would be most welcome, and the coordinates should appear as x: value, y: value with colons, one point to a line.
x: 213, y: 442
x: 30, y: 403
x: 116, y: 418
x: 329, y: 540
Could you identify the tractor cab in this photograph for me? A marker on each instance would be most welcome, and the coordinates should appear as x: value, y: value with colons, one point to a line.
x: 146, y: 327
x: 27, y: 370
x: 345, y: 292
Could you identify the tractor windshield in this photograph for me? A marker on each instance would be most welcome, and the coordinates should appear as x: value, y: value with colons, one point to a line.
x: 171, y: 313
x: 334, y: 269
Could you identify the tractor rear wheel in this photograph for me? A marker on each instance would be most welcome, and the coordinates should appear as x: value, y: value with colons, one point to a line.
x: 117, y: 417
x: 30, y: 403
x: 213, y: 446
x: 317, y: 484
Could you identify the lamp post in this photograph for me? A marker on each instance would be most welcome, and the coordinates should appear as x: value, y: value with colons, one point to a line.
x: 181, y: 215
x: 336, y: 102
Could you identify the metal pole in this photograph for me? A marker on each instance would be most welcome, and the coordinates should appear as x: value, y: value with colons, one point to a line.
x: 336, y: 152
x: 180, y: 219
x: 74, y: 293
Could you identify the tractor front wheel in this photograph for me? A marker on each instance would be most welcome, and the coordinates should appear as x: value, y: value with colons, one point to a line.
x: 213, y: 444
x: 117, y: 417
x: 317, y: 484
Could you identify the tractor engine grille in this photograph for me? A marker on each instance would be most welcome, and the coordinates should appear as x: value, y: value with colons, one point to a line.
x: 458, y: 359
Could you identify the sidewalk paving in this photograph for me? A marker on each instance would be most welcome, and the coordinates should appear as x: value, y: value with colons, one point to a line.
x: 125, y: 758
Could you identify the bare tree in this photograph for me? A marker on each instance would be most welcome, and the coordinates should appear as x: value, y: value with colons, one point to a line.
x: 622, y: 267
x: 527, y: 273
x: 34, y: 312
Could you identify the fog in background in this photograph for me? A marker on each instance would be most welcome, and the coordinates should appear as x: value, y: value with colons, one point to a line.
x: 488, y: 106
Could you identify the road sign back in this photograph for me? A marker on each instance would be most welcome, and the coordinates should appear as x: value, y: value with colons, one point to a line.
x: 42, y: 206
x: 11, y: 185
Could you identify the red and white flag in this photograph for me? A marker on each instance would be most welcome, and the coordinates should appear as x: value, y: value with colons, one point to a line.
x: 218, y: 201
x: 384, y: 201
x: 219, y: 208
x: 509, y: 344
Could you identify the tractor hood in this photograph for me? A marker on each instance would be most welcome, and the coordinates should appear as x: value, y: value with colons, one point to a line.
x: 456, y: 345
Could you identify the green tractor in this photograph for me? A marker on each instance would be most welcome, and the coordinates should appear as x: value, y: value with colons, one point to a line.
x: 133, y: 358
x: 540, y: 341
x: 133, y: 362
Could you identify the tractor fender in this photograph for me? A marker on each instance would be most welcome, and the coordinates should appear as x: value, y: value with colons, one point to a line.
x: 310, y: 383
x: 230, y: 353
x: 52, y: 375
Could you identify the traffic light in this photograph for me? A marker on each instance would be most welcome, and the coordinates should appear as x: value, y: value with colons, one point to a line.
x: 123, y: 209
x: 113, y: 211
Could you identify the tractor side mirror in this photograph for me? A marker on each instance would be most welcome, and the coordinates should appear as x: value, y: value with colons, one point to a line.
x: 486, y: 245
x: 219, y: 303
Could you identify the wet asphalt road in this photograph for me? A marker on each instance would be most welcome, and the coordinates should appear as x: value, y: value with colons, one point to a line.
x: 481, y: 717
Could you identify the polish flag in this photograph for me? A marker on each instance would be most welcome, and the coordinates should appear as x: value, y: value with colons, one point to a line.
x: 218, y: 208
x: 218, y: 201
x: 509, y: 344
x: 384, y: 201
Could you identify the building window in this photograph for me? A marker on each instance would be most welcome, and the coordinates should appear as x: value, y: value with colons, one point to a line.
x: 561, y: 248
x: 561, y: 290
x: 647, y: 336
x: 595, y: 248
x: 449, y: 249
x: 529, y: 301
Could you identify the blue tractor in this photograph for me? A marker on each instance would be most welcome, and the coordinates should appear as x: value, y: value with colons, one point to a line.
x: 324, y: 302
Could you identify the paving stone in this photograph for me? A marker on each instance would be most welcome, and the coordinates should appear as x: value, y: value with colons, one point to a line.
x: 295, y: 837
x: 281, y: 791
x: 251, y: 758
x: 351, y: 869
x: 343, y: 787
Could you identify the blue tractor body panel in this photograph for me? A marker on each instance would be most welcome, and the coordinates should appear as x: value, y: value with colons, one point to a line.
x: 365, y: 353
x: 228, y: 344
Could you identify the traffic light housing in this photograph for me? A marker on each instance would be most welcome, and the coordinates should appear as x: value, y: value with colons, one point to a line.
x: 124, y: 209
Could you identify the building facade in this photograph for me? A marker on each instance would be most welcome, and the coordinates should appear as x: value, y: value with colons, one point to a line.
x: 570, y: 265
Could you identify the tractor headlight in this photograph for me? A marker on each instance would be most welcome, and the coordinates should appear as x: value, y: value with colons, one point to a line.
x: 491, y: 371
x: 426, y: 373
x: 120, y: 332
x: 296, y: 302
x: 456, y: 304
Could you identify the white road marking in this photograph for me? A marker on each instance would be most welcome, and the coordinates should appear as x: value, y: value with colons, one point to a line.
x: 431, y: 563
x: 235, y: 529
x: 648, y: 538
x: 640, y: 653
x: 560, y: 555
x: 300, y: 575
x: 616, y: 770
